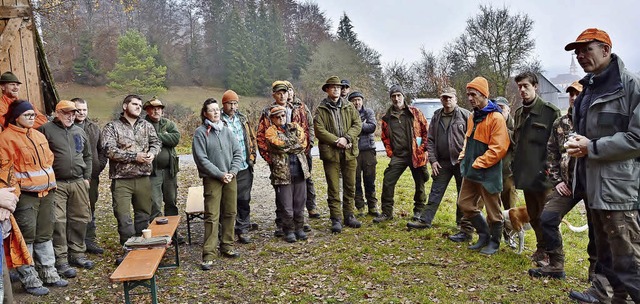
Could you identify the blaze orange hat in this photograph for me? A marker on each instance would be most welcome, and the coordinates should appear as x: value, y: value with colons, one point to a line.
x: 479, y: 83
x: 229, y: 96
x: 588, y: 35
x: 66, y: 105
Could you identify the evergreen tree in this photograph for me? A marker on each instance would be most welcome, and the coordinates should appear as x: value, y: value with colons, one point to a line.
x: 86, y: 69
x: 136, y: 70
x: 346, y: 33
x: 277, y: 60
x: 239, y: 66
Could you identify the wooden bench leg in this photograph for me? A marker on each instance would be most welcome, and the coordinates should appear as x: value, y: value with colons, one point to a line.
x: 149, y: 284
x: 189, y: 228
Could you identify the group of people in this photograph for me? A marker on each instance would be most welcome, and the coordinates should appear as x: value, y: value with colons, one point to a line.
x: 50, y: 170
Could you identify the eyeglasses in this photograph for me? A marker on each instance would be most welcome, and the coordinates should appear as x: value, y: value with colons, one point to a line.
x: 280, y: 116
x: 213, y: 110
x: 587, y: 49
x: 29, y: 115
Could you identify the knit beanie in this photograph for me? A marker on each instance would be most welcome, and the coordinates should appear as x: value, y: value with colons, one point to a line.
x: 396, y: 88
x: 229, y: 96
x: 17, y: 108
x: 479, y: 83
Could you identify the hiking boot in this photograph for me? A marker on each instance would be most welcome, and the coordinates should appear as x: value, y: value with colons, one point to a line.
x: 254, y: 227
x: 81, y: 262
x: 244, y: 239
x: 583, y: 297
x: 416, y: 215
x: 555, y: 269
x: 336, y: 226
x: 66, y: 271
x: 419, y: 224
x: 306, y: 227
x: 460, y: 237
x: 93, y: 248
x: 300, y: 235
x: 38, y: 291
x: 314, y: 214
x: 352, y: 222
x: 58, y: 283
x: 206, y: 265
x: 373, y: 212
x: 121, y: 258
x: 230, y: 254
x: 290, y: 237
x: 541, y: 273
x: 540, y: 258
x: 382, y: 218
x: 278, y: 233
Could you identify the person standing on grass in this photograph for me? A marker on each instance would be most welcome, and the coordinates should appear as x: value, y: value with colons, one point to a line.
x: 486, y: 143
x: 289, y: 171
x: 444, y: 143
x: 404, y: 135
x: 532, y: 128
x: 306, y: 123
x: 131, y: 143
x: 606, y: 118
x: 218, y: 157
x: 337, y: 125
x: 26, y: 151
x: 98, y: 162
x: 164, y: 173
x: 72, y: 165
x: 244, y: 133
x: 367, y: 159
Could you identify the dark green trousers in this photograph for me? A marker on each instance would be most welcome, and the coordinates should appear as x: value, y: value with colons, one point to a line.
x: 72, y: 212
x: 164, y: 188
x: 127, y: 193
x: 90, y: 236
x: 396, y: 167
x: 339, y: 208
x: 220, y: 209
x: 34, y: 216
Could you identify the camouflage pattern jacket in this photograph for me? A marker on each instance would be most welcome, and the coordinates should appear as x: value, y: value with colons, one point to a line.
x: 121, y: 142
x: 559, y: 164
x: 283, y: 143
x: 299, y: 114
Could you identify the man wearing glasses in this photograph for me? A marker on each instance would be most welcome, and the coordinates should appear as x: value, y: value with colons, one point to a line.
x: 131, y: 144
x: 606, y: 117
x: 337, y: 125
x: 10, y: 86
x: 72, y: 165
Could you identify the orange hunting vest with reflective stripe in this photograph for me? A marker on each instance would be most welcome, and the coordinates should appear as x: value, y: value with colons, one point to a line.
x: 27, y: 151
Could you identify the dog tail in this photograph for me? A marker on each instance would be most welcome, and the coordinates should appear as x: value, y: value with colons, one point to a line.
x: 574, y: 228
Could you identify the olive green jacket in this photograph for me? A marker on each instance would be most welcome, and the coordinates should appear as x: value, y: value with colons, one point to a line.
x: 328, y: 131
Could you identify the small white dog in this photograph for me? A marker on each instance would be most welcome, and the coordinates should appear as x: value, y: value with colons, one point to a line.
x: 516, y: 221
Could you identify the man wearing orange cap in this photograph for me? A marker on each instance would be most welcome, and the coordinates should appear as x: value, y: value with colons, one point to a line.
x: 486, y: 143
x: 164, y: 173
x: 243, y: 132
x: 10, y: 86
x: 532, y: 128
x: 606, y: 118
x: 72, y: 166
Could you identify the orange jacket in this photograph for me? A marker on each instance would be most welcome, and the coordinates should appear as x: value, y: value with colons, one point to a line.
x: 27, y: 151
x: 16, y: 252
x: 420, y: 129
x: 4, y: 107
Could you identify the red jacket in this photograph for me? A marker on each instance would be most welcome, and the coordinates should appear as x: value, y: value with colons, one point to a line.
x: 27, y: 151
x: 420, y: 129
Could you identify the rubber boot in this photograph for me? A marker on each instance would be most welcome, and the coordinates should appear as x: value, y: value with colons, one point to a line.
x: 555, y: 269
x: 482, y: 228
x: 494, y: 242
x: 45, y: 259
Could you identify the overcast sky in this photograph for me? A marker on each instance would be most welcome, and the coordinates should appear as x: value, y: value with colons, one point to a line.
x: 398, y: 29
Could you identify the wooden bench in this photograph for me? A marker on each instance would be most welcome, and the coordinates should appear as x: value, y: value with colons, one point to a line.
x: 170, y: 229
x: 195, y: 207
x: 139, y: 269
x: 140, y: 264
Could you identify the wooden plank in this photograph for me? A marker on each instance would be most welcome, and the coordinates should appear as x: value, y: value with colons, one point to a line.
x: 17, y: 11
x: 138, y: 265
x: 30, y: 62
x: 5, y: 61
x: 9, y: 35
x: 165, y: 229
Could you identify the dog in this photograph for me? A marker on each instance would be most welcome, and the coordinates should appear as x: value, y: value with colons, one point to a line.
x: 516, y: 222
